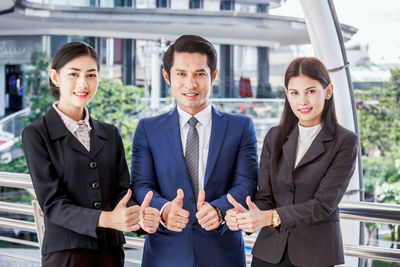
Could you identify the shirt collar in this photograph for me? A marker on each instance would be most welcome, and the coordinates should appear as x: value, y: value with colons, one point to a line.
x: 203, y: 116
x: 70, y: 123
x: 309, y: 131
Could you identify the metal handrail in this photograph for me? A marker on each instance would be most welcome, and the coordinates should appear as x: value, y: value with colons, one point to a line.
x: 385, y: 254
x: 362, y: 211
x: 19, y: 257
x: 22, y: 112
x: 20, y: 241
x: 17, y: 224
x: 16, y: 208
x: 16, y: 180
x: 370, y: 212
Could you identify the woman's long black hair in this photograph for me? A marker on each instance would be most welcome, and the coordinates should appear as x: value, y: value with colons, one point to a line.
x: 314, y: 69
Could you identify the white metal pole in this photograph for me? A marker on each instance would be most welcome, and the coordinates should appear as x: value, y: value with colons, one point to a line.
x: 324, y: 38
x: 155, y: 80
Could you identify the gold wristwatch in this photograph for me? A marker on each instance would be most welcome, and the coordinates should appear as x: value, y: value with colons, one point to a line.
x: 276, y: 220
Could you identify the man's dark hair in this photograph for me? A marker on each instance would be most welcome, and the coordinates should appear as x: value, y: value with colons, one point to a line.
x: 191, y: 44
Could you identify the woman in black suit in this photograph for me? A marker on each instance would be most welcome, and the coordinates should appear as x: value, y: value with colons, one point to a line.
x: 79, y: 172
x: 306, y: 165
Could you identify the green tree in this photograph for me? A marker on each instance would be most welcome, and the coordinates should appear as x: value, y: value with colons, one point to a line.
x: 379, y: 122
x: 114, y: 103
x: 120, y: 105
x: 37, y: 86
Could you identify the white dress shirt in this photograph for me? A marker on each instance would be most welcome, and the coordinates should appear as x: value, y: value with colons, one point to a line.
x: 305, y: 139
x: 73, y: 125
x: 204, y: 130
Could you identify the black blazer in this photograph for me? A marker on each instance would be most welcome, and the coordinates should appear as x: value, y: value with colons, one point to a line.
x: 74, y: 185
x: 306, y: 197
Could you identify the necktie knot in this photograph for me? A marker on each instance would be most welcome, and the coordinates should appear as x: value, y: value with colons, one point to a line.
x: 192, y: 122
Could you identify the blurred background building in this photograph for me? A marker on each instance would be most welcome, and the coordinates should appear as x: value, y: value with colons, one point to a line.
x: 255, y: 40
x: 131, y: 36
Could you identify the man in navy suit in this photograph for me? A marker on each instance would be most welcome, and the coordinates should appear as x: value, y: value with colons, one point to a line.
x: 191, y: 158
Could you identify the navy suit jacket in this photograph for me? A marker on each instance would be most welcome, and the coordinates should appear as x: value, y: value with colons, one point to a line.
x: 158, y: 165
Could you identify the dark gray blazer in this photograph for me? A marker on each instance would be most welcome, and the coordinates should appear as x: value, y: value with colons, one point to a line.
x: 73, y: 185
x: 306, y: 197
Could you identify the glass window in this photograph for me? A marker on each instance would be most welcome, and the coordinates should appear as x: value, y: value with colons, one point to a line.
x: 118, y: 51
x: 227, y: 5
x: 163, y: 3
x: 195, y: 4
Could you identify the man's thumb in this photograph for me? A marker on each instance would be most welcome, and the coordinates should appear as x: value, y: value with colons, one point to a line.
x: 200, y: 199
x: 179, y: 197
x: 146, y: 201
x: 237, y: 206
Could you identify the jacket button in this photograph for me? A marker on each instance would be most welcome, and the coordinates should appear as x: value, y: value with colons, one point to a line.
x: 93, y: 164
x: 195, y: 225
x: 95, y: 185
x: 97, y: 205
x: 291, y: 190
x: 191, y: 200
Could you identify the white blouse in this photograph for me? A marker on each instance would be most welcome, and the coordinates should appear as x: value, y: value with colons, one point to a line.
x: 305, y: 139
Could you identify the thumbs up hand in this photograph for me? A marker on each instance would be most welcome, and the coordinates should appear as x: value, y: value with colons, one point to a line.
x: 122, y: 218
x: 174, y: 216
x: 231, y: 214
x: 206, y: 215
x: 149, y: 217
x: 254, y: 219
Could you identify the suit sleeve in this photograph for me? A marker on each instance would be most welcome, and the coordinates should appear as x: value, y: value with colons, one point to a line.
x: 143, y: 176
x: 52, y: 197
x: 330, y: 191
x: 264, y: 197
x: 244, y: 180
x: 123, y: 179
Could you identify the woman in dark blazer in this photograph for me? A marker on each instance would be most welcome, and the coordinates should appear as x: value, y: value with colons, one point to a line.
x: 79, y: 171
x: 306, y: 165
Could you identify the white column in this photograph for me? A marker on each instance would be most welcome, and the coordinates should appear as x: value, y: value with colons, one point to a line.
x: 180, y: 4
x: 2, y: 91
x: 211, y: 5
x: 145, y: 3
x: 155, y: 79
x: 110, y: 57
x: 323, y: 35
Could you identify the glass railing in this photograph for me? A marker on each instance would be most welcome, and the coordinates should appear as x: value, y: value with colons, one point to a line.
x: 10, y: 132
x: 265, y: 112
x: 12, y: 227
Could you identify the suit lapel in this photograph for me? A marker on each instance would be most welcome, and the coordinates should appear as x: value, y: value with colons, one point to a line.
x: 174, y: 138
x: 317, y: 146
x: 218, y: 128
x: 57, y: 129
x: 289, y: 148
x: 96, y: 135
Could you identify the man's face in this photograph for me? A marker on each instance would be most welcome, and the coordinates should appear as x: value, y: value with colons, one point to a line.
x: 190, y: 80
